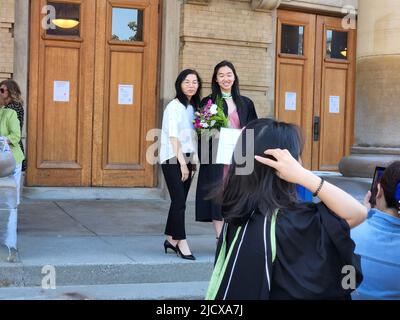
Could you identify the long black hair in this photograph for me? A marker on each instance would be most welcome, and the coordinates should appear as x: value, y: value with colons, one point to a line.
x: 195, y: 100
x: 215, y: 88
x: 262, y: 189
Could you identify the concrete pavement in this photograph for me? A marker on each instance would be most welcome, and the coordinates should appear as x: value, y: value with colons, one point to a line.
x: 111, y: 249
x: 101, y: 243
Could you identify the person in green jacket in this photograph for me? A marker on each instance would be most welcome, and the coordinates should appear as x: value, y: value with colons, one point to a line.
x: 11, y: 93
x: 10, y: 132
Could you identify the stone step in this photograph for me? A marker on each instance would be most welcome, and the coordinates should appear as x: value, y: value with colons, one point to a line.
x: 17, y: 275
x: 194, y: 290
x: 350, y: 184
x: 89, y: 193
x: 102, y: 260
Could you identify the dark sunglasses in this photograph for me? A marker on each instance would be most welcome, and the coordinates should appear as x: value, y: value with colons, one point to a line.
x: 2, y: 90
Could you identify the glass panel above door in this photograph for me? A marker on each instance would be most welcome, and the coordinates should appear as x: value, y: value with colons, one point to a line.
x: 66, y: 21
x: 292, y: 39
x: 127, y: 24
x: 336, y: 44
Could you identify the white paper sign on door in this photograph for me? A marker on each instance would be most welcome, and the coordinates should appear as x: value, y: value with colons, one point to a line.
x: 61, y: 91
x: 334, y: 104
x: 125, y: 94
x: 290, y: 101
x: 226, y: 144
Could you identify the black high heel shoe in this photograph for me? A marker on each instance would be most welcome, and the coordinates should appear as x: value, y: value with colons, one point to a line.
x: 168, y: 245
x: 183, y: 256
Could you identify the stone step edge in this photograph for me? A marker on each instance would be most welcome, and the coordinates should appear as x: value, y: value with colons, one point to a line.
x: 91, y: 193
x: 19, y: 275
x: 194, y: 290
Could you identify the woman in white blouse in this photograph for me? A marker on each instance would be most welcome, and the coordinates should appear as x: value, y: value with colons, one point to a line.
x: 177, y: 154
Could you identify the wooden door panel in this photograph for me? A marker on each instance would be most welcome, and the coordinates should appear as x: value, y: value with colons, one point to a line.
x: 295, y: 74
x: 333, y: 78
x: 332, y: 123
x: 315, y: 77
x: 59, y: 133
x: 125, y: 121
x: 119, y: 138
x: 91, y: 139
x: 290, y: 81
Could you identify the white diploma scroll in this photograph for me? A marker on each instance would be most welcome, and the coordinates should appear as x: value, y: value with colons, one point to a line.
x: 227, y: 141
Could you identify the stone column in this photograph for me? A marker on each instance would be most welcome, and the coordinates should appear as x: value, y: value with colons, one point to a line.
x: 21, y: 57
x: 377, y: 115
x: 169, y: 52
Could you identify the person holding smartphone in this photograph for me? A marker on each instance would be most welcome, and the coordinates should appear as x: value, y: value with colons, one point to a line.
x: 374, y: 186
x: 272, y: 245
x: 378, y: 239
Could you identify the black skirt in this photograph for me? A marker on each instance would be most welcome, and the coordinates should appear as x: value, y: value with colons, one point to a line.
x: 209, y: 181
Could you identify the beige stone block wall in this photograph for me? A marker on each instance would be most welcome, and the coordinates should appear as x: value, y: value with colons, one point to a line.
x: 230, y: 30
x: 378, y: 33
x: 7, y: 40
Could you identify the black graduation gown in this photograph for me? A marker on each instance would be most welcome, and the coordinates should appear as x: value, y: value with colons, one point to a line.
x: 211, y: 175
x: 312, y: 247
x: 249, y: 269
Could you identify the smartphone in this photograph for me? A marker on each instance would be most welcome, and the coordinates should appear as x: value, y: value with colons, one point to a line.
x: 374, y: 186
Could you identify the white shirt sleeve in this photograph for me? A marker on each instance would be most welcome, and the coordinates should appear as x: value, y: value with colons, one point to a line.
x: 173, y: 117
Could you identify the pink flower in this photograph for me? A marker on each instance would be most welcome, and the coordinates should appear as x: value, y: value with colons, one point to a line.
x: 197, y: 124
x: 208, y: 105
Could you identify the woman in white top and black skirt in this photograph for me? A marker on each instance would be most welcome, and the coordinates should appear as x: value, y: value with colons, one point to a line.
x: 177, y: 154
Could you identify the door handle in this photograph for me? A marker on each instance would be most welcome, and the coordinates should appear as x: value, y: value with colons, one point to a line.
x: 316, y: 125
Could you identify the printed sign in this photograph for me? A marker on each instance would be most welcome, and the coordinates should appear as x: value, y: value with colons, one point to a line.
x: 334, y: 104
x: 61, y: 91
x: 125, y: 94
x: 290, y: 101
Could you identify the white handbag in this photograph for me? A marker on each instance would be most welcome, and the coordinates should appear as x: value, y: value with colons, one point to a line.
x: 7, y: 161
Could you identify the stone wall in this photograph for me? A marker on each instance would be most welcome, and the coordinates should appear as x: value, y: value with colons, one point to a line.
x: 214, y: 30
x: 7, y: 39
x: 378, y: 69
x: 230, y: 30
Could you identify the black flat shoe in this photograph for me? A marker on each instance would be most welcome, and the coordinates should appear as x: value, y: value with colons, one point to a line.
x: 168, y: 245
x: 183, y: 256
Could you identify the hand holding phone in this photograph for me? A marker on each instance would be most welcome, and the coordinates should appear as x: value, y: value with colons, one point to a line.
x: 374, y: 186
x: 367, y: 197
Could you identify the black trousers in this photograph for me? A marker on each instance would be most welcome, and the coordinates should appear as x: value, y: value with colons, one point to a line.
x: 178, y: 192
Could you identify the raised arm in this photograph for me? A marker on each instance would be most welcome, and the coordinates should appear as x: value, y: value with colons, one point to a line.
x: 339, y: 201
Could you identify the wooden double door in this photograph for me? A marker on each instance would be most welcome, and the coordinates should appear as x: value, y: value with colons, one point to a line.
x: 315, y: 81
x: 92, y: 92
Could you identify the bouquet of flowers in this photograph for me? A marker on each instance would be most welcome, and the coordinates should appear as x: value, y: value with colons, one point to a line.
x: 210, y: 116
